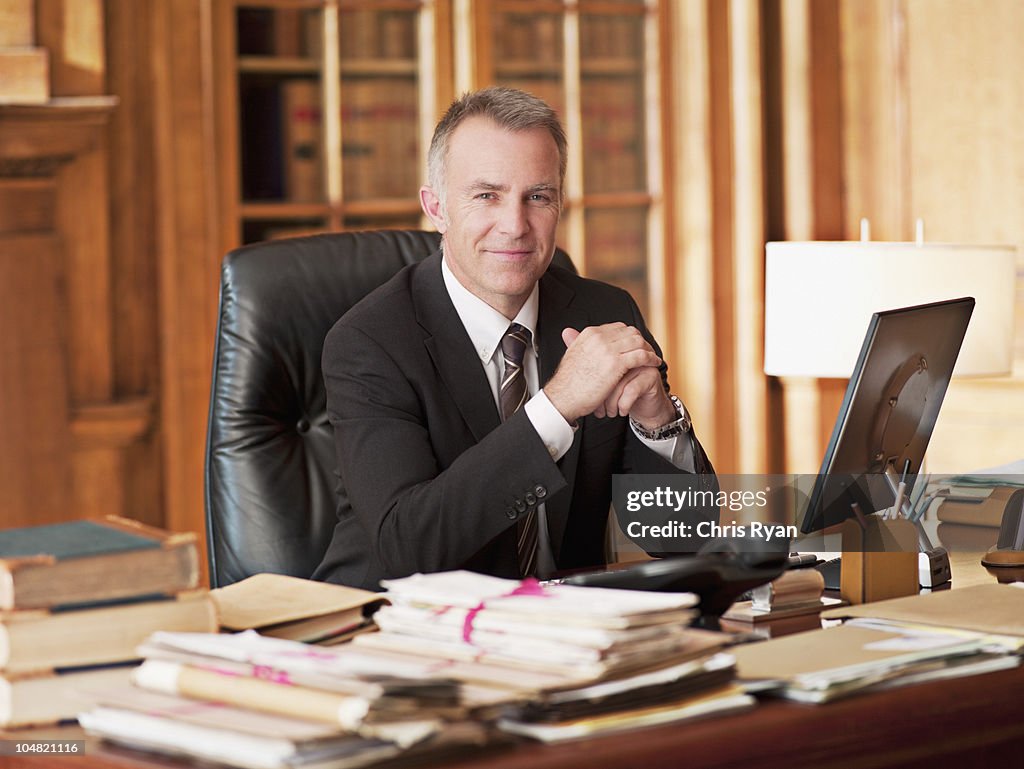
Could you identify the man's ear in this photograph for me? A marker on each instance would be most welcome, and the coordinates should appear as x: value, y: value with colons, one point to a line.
x: 431, y: 205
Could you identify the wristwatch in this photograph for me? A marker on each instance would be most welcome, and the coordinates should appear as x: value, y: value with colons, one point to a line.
x: 671, y: 429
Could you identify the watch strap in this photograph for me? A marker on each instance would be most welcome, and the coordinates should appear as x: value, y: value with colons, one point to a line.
x: 678, y: 426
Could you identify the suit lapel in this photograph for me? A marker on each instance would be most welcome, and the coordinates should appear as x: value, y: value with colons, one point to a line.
x: 451, y: 350
x: 555, y: 314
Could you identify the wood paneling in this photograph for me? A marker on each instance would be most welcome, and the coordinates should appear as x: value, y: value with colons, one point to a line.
x: 717, y: 141
x: 688, y: 82
x: 17, y: 23
x: 188, y: 247
x: 75, y: 378
x: 803, y: 163
x: 133, y: 247
x: 748, y: 216
x: 72, y: 32
x: 35, y: 465
x: 66, y: 430
x: 930, y: 114
x: 965, y: 115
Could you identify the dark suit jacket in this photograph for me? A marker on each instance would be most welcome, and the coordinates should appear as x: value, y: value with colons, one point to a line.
x: 431, y: 478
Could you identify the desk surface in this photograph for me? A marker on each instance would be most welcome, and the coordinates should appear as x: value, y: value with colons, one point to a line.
x: 968, y: 722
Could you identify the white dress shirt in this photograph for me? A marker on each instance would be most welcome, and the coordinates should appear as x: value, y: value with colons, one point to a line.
x: 486, y: 326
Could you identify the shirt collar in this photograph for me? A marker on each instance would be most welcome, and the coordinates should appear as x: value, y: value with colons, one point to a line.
x: 485, y: 325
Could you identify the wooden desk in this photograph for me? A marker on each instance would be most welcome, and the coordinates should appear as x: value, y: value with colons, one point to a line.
x: 963, y: 723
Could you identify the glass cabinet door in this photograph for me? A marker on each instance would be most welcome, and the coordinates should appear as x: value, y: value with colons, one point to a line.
x: 326, y: 113
x: 592, y: 61
x: 613, y: 115
x: 380, y: 122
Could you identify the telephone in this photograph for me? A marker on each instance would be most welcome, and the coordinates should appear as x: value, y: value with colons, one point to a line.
x: 720, y: 572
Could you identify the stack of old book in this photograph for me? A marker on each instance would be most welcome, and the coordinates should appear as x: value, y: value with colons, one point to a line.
x: 76, y: 599
x: 558, y: 662
x: 259, y: 702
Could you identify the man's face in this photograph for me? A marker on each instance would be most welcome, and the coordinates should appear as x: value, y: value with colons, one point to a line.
x: 501, y: 210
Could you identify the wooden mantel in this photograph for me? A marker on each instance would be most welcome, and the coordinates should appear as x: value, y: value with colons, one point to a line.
x: 62, y: 128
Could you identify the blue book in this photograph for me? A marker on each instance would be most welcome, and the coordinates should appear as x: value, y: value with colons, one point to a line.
x: 93, y: 561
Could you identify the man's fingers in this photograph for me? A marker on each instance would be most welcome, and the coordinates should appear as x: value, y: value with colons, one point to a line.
x: 630, y: 387
x: 613, y: 337
x: 598, y: 359
x: 638, y: 359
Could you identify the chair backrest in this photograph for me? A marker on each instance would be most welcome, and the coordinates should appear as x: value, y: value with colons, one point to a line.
x: 270, y: 483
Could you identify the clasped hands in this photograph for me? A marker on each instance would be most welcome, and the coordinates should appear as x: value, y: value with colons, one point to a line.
x: 607, y: 371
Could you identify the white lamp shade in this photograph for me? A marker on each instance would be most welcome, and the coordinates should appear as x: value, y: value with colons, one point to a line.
x: 819, y: 298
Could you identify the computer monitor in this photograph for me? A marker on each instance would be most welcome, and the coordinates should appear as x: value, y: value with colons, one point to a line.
x: 889, y: 410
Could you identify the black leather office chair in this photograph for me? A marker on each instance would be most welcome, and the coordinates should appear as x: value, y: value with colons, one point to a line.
x: 270, y: 482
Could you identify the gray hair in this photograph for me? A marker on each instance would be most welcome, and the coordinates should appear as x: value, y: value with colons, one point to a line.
x: 510, y: 108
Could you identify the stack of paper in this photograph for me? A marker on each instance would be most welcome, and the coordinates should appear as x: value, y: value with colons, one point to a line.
x: 253, y: 701
x: 565, y: 661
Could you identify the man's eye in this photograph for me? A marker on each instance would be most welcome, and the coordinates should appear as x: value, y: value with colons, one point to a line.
x: 539, y: 197
x: 485, y: 196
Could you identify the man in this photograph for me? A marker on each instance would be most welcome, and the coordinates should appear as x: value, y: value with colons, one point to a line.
x: 441, y: 467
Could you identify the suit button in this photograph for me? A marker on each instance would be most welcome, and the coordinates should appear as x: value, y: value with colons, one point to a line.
x: 520, y: 505
x: 540, y: 491
x: 303, y: 425
x: 511, y: 514
x: 531, y: 500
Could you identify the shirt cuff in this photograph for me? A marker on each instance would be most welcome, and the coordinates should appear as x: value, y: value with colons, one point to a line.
x: 550, y: 425
x: 677, y: 450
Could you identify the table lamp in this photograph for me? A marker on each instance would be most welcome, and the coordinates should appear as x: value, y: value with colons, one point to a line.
x: 820, y: 295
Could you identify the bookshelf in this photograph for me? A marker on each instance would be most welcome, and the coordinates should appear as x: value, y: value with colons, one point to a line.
x: 598, y: 64
x: 325, y: 111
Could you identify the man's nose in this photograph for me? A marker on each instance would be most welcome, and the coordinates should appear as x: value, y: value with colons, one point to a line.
x: 513, y: 219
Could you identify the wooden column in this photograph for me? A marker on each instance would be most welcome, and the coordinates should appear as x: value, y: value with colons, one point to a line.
x: 64, y: 431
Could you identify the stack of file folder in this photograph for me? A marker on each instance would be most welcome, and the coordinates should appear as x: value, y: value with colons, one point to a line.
x: 966, y: 631
x: 559, y: 661
x: 460, y: 661
x: 265, y: 703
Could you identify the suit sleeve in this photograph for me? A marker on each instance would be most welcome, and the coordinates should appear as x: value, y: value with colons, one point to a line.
x: 422, y: 512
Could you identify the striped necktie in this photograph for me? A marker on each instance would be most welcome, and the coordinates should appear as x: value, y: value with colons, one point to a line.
x: 512, y: 395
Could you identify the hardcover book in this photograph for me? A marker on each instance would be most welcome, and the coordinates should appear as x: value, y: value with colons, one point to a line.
x: 33, y: 640
x: 39, y: 700
x: 93, y: 561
